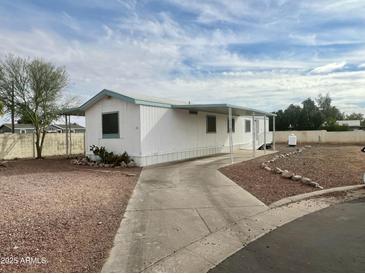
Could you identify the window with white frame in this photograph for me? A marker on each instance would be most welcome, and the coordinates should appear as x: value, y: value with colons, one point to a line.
x: 110, y: 125
x: 211, y: 124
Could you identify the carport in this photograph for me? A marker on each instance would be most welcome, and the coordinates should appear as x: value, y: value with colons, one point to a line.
x: 233, y: 110
x: 67, y: 113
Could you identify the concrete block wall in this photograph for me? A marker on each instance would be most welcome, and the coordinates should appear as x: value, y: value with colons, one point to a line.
x: 22, y: 145
x: 323, y: 136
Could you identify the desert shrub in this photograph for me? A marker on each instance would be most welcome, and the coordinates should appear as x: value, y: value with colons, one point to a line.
x: 336, y: 127
x: 110, y: 157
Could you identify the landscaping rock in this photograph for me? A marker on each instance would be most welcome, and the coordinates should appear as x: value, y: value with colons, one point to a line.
x: 131, y: 164
x: 129, y: 174
x: 278, y: 170
x: 313, y: 184
x: 286, y: 174
x: 305, y: 180
x: 4, y: 164
x: 296, y: 177
x: 268, y: 168
x: 74, y: 162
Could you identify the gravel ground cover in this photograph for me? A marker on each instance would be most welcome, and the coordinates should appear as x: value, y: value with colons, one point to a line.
x: 329, y: 165
x: 57, y: 217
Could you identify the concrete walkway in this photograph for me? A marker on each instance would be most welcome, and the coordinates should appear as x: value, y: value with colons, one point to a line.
x: 176, y: 205
x: 188, y: 217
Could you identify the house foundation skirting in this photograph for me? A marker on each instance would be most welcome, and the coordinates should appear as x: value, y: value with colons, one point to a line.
x: 148, y: 160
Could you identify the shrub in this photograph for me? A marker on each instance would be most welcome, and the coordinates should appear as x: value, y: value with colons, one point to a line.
x: 336, y: 127
x: 110, y: 157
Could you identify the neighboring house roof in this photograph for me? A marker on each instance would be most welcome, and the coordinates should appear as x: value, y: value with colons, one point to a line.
x: 72, y: 126
x: 350, y: 123
x: 158, y: 102
x: 19, y: 126
x: 31, y: 127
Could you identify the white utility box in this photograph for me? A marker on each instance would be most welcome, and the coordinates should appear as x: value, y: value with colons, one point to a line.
x: 292, y: 140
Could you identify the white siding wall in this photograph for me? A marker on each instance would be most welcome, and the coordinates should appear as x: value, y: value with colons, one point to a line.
x: 170, y: 134
x: 129, y: 122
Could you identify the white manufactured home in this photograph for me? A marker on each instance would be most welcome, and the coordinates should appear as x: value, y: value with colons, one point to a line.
x: 154, y: 130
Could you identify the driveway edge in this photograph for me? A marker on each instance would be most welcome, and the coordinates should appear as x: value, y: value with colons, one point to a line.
x: 304, y: 196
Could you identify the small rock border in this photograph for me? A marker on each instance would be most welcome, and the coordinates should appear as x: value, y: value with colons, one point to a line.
x: 3, y: 164
x: 84, y: 161
x: 287, y: 174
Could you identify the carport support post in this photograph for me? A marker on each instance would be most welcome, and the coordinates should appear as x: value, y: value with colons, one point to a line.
x: 264, y: 134
x: 230, y: 133
x: 69, y: 125
x: 253, y: 135
x: 273, y: 132
x: 66, y: 135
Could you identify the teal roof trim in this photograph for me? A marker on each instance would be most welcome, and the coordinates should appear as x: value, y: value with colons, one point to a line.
x: 222, y: 108
x: 217, y: 108
x: 106, y: 93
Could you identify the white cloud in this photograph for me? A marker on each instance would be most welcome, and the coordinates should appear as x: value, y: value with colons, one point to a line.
x: 333, y: 67
x: 159, y: 56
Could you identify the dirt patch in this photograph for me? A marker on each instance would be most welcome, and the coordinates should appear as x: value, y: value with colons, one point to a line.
x: 331, y: 166
x: 62, y: 216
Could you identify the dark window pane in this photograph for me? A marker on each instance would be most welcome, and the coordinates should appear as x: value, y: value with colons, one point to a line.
x: 233, y: 125
x: 211, y: 124
x: 110, y: 124
x: 247, y: 125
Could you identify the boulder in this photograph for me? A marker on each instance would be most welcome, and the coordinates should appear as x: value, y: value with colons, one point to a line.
x: 286, y: 174
x: 123, y: 164
x: 263, y: 165
x: 268, y: 168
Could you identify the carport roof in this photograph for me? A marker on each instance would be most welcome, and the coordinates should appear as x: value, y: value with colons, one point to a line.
x: 158, y: 102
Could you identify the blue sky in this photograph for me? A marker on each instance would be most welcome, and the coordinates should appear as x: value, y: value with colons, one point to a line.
x: 261, y: 54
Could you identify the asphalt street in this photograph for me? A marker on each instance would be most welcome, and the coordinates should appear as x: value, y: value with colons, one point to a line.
x: 330, y: 240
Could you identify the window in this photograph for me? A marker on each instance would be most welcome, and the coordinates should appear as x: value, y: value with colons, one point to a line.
x: 110, y: 124
x: 211, y: 124
x: 247, y: 125
x: 233, y: 125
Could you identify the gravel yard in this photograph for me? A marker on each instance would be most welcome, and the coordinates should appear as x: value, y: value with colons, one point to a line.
x: 329, y: 165
x: 57, y: 217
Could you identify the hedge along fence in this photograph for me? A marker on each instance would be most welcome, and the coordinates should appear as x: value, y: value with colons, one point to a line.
x: 22, y: 145
x: 323, y: 136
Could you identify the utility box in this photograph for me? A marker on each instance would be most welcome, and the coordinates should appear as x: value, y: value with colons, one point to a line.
x: 292, y: 140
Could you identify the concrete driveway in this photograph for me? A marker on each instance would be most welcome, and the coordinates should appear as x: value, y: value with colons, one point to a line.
x: 330, y: 240
x: 174, y: 206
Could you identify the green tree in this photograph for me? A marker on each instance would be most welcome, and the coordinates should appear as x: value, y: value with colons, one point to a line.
x: 13, y: 79
x: 39, y: 101
x: 330, y: 114
x: 310, y: 117
x: 355, y: 116
x: 293, y: 116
